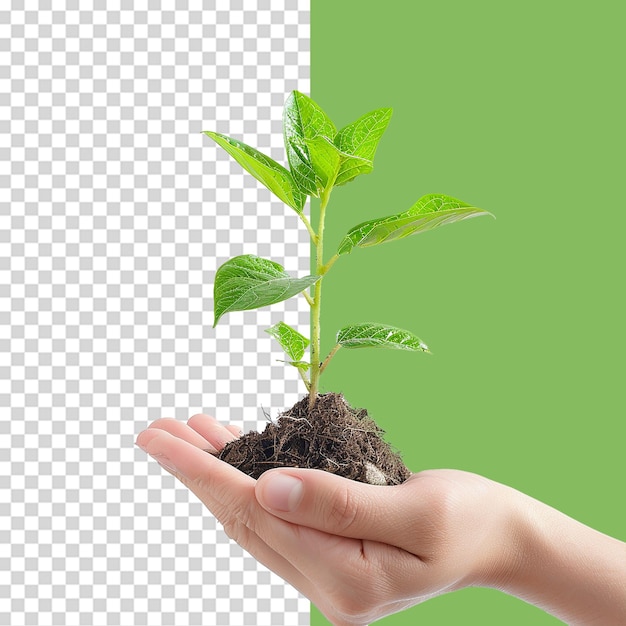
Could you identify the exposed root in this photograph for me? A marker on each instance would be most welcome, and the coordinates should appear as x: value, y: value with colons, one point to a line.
x: 332, y: 436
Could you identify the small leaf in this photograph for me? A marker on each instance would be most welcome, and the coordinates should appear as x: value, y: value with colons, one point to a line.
x: 379, y: 335
x: 291, y: 341
x: 427, y: 213
x: 272, y: 174
x: 301, y: 365
x: 359, y: 140
x: 250, y: 282
x: 304, y: 121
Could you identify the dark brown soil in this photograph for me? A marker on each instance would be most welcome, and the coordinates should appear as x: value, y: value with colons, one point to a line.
x: 333, y: 437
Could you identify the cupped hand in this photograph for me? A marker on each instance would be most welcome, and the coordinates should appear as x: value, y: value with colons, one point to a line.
x: 358, y: 552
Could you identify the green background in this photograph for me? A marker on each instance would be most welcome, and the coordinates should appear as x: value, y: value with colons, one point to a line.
x: 518, y: 109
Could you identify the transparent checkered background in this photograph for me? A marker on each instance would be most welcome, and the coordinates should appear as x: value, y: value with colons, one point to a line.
x: 115, y: 212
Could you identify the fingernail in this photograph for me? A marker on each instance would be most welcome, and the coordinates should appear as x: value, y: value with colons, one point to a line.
x: 283, y: 492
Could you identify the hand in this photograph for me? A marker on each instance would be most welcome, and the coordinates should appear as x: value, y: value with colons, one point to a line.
x: 360, y: 552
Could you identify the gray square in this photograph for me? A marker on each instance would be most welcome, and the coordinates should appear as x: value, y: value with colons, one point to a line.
x: 115, y: 212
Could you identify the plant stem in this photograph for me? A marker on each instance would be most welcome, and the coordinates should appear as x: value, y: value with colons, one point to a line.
x: 330, y: 263
x: 309, y: 228
x: 331, y: 354
x: 305, y: 380
x: 321, y: 269
x: 317, y: 302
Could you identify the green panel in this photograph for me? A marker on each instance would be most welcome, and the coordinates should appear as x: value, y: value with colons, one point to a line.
x: 516, y: 108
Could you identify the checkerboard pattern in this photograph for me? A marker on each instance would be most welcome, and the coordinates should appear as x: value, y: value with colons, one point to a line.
x: 115, y: 211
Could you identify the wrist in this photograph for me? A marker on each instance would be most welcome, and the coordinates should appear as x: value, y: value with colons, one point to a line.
x: 509, y: 534
x: 560, y: 565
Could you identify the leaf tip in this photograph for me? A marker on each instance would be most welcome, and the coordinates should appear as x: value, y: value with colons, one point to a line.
x: 482, y: 212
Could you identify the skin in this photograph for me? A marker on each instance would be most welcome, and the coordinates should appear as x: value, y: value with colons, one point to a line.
x: 388, y: 548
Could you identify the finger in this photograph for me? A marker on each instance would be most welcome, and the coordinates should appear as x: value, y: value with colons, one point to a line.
x: 182, y: 431
x: 209, y: 428
x: 235, y: 430
x: 230, y: 505
x: 230, y: 495
x: 290, y: 550
x: 343, y: 507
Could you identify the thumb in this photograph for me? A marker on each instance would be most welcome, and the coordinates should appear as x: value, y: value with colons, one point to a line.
x: 337, y: 505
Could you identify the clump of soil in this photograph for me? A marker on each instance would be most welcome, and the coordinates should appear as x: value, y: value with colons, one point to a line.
x: 333, y: 437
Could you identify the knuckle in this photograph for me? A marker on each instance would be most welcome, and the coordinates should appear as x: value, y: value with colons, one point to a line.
x: 441, y: 524
x: 236, y: 516
x: 236, y: 530
x: 343, y: 512
x: 443, y: 506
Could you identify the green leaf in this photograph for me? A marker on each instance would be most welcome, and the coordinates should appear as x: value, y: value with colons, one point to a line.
x: 301, y: 365
x: 379, y: 335
x: 291, y: 341
x: 272, y: 174
x: 326, y: 159
x: 359, y: 141
x: 250, y: 282
x: 428, y: 212
x: 304, y: 122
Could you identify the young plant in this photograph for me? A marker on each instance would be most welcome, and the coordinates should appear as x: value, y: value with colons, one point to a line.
x: 321, y: 158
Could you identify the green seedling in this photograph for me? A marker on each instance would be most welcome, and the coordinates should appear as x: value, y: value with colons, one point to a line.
x: 321, y: 158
